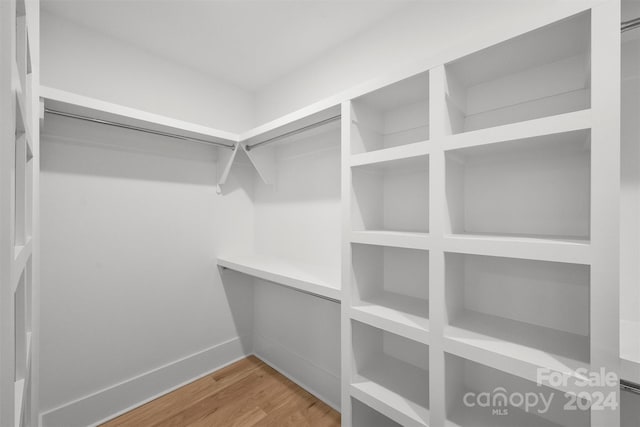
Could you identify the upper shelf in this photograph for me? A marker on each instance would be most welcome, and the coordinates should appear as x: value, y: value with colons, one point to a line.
x: 290, y: 124
x: 309, y: 279
x: 71, y: 103
x: 540, y: 73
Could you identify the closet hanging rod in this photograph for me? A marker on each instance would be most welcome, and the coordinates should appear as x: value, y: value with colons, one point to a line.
x: 294, y: 132
x: 630, y: 24
x: 630, y: 386
x: 137, y: 128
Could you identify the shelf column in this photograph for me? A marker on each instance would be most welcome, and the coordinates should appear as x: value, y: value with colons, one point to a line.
x: 437, y: 203
x: 605, y: 200
x: 345, y: 182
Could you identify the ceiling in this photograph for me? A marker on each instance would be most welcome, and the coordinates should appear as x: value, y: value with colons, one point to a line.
x: 248, y: 43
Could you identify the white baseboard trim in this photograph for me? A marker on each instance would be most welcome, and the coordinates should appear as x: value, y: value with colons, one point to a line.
x: 316, y: 380
x: 108, y: 403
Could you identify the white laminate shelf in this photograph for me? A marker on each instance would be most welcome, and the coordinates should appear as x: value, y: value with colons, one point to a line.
x: 310, y: 279
x: 394, y: 388
x: 390, y: 155
x: 529, y: 129
x: 542, y: 248
x: 630, y: 350
x: 402, y: 315
x: 462, y: 416
x: 518, y: 348
x: 72, y: 103
x: 398, y: 239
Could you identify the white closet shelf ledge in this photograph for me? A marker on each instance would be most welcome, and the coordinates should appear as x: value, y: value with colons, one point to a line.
x: 541, y: 248
x: 306, y: 278
x: 519, y: 348
x: 394, y: 388
x: 560, y: 123
x: 398, y: 239
x: 402, y: 315
x: 390, y: 155
x: 72, y: 103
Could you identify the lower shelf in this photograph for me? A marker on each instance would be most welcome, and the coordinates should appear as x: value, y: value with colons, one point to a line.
x: 468, y: 417
x: 310, y: 279
x: 365, y: 416
x: 400, y: 314
x: 524, y: 347
x: 394, y: 388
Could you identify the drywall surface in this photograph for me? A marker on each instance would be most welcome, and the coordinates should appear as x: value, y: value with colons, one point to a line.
x: 132, y: 300
x: 80, y: 60
x: 298, y: 219
x: 413, y: 34
x: 630, y: 182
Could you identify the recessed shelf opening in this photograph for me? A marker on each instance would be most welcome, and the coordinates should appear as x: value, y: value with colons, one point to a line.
x: 392, y: 370
x: 530, y: 310
x: 392, y: 283
x: 479, y: 396
x: 391, y: 196
x: 395, y: 115
x: 365, y: 416
x: 530, y: 187
x: 541, y: 73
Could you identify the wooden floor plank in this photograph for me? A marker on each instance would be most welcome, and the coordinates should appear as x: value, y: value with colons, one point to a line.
x: 175, y: 402
x: 244, y: 394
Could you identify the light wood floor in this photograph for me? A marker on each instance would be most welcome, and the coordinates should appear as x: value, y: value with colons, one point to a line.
x: 246, y: 393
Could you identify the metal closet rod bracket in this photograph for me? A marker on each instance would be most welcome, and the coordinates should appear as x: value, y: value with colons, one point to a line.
x: 139, y: 129
x: 323, y: 122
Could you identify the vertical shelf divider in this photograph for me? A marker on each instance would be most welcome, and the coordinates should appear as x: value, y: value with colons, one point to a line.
x: 437, y: 203
x: 346, y: 352
x: 604, y: 302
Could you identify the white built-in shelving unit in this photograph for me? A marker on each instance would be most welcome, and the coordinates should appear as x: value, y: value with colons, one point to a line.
x: 19, y: 163
x: 480, y: 229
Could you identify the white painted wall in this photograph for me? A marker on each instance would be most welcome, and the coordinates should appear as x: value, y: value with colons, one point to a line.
x: 80, y: 60
x: 414, y: 33
x: 131, y: 226
x: 297, y: 219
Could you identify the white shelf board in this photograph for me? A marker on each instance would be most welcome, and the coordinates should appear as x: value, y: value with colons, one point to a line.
x: 378, y: 385
x: 18, y: 390
x: 82, y: 105
x: 518, y: 348
x: 306, y: 278
x: 400, y: 314
x: 630, y: 350
x: 567, y: 122
x: 398, y: 239
x: 462, y: 416
x: 291, y: 122
x: 401, y: 152
x: 542, y: 248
